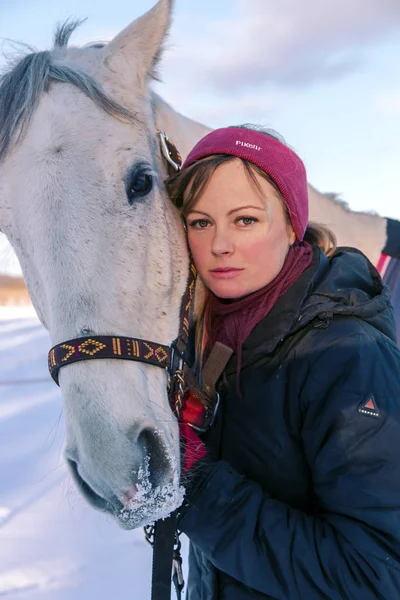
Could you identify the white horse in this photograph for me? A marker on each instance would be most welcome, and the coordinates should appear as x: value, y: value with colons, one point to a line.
x: 103, y: 250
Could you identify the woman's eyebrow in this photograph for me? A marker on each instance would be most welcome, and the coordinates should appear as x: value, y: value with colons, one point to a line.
x: 199, y: 212
x: 244, y: 207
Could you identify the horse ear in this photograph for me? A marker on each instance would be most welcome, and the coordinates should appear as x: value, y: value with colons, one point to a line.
x: 141, y: 43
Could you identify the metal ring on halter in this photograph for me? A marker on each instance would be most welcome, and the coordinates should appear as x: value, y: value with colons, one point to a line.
x: 169, y: 149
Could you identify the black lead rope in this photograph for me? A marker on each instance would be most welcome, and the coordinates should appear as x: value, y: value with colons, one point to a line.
x: 166, y: 556
x: 177, y: 572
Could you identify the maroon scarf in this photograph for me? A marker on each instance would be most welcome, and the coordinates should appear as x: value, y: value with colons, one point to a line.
x: 232, y: 320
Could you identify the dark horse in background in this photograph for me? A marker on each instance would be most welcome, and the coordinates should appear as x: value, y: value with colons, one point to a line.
x: 389, y: 267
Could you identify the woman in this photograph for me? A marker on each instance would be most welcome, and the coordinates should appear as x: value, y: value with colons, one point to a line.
x: 294, y: 493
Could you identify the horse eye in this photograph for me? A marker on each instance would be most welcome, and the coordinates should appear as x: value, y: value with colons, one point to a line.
x: 140, y: 184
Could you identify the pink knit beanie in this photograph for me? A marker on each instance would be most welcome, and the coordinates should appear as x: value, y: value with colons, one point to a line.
x: 277, y: 160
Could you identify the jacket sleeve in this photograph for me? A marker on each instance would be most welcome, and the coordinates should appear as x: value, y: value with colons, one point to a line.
x: 349, y: 546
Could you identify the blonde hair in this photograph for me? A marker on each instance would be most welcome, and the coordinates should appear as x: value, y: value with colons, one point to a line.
x: 186, y: 187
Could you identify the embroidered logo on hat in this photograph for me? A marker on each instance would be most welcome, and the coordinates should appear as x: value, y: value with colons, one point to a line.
x: 248, y: 145
x: 369, y: 407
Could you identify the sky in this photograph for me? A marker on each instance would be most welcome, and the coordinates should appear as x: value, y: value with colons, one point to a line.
x: 323, y: 73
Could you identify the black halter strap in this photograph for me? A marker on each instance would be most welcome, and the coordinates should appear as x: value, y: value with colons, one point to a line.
x: 126, y: 348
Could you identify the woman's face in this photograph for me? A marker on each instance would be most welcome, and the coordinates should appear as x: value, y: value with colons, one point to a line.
x: 239, y: 239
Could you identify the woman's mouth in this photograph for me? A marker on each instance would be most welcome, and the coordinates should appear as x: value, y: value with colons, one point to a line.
x: 225, y: 272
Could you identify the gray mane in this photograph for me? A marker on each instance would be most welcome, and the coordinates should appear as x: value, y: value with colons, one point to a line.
x: 336, y: 199
x: 22, y: 86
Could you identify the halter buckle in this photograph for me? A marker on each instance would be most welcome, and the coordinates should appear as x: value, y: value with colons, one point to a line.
x: 195, y: 413
x: 209, y: 414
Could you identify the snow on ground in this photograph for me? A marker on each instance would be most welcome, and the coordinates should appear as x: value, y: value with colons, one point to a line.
x: 52, y: 545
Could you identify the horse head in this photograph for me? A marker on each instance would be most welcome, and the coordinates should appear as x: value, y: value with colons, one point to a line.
x: 102, y: 250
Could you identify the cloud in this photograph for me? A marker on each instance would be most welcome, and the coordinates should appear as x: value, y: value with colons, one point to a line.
x: 258, y: 107
x: 285, y: 42
x: 389, y: 103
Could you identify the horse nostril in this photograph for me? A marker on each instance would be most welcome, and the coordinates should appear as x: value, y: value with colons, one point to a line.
x: 154, y: 449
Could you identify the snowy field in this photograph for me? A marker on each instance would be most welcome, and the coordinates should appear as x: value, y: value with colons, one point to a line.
x: 52, y: 545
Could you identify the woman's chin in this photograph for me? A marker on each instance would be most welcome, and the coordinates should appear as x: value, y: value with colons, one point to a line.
x: 227, y: 290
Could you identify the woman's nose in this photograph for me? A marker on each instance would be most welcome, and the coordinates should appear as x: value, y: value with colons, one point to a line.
x: 221, y: 243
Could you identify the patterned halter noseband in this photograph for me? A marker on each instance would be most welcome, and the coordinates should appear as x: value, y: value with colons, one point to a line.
x: 127, y: 348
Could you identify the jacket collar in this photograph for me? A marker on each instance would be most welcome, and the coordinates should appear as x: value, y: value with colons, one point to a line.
x: 346, y: 284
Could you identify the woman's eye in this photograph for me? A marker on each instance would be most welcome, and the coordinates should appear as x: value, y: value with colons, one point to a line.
x: 140, y: 185
x: 247, y: 220
x: 199, y: 224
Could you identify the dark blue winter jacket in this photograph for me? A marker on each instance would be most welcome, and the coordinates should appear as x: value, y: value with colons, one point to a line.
x: 301, y: 497
x: 392, y: 280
